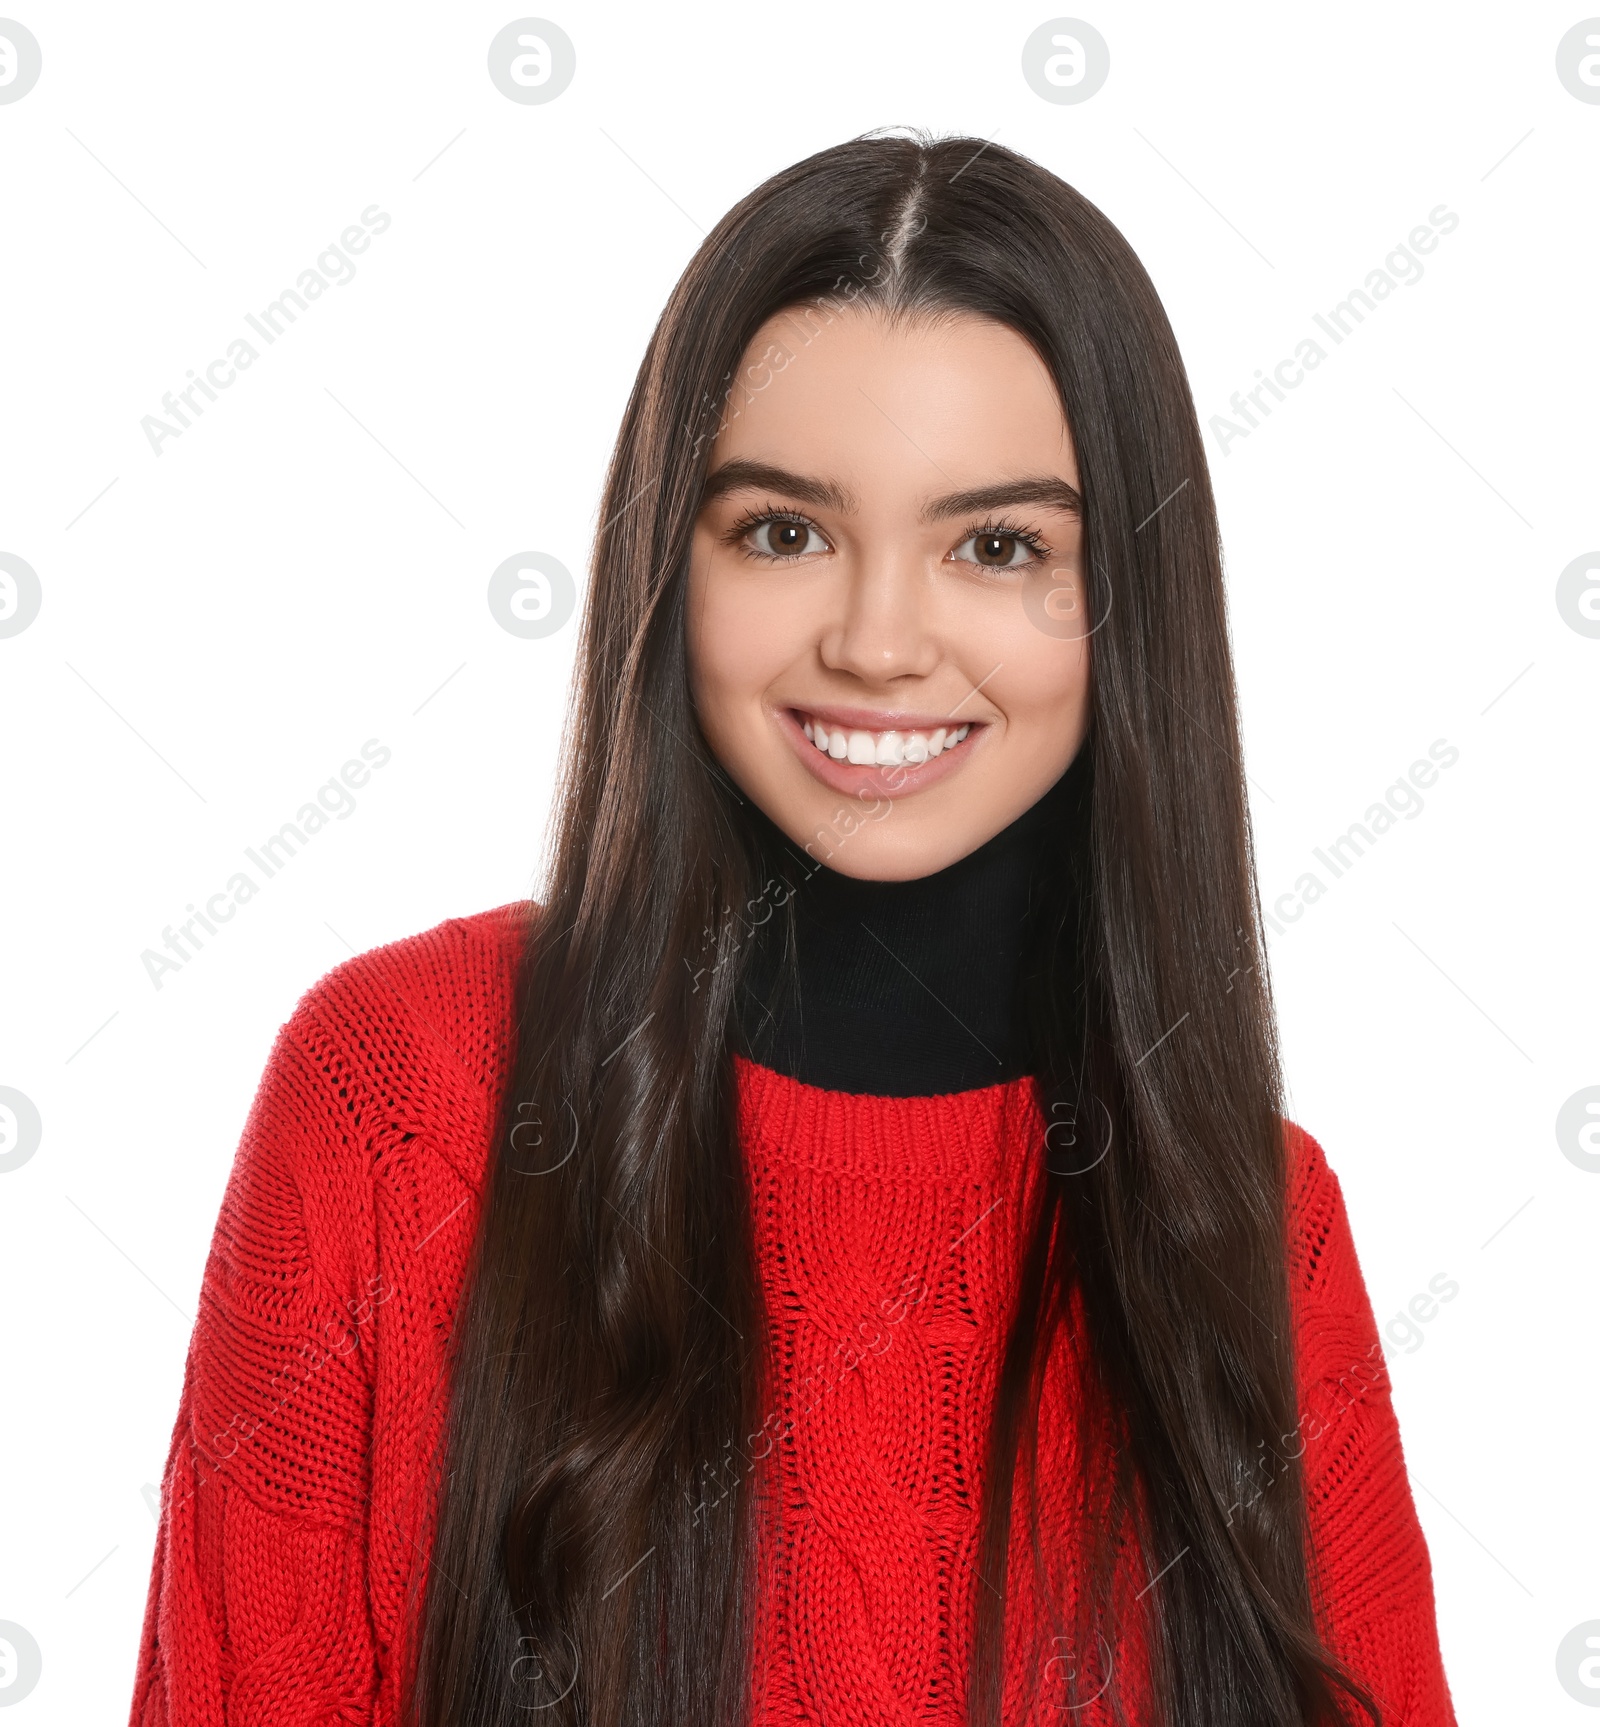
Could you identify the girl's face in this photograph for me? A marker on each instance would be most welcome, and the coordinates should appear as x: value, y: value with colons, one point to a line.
x: 887, y: 628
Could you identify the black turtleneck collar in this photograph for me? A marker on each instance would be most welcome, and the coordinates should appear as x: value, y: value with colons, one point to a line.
x: 903, y: 988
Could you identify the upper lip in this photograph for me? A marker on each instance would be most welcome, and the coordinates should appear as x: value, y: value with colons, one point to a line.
x: 878, y: 719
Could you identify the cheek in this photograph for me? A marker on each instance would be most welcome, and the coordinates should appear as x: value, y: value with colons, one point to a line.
x: 1046, y: 677
x: 738, y: 639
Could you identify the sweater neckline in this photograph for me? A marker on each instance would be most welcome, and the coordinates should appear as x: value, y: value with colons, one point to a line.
x: 983, y: 1133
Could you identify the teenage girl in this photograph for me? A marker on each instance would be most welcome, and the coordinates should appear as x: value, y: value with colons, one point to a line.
x: 839, y: 1257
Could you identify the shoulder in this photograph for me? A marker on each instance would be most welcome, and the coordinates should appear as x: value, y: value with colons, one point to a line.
x: 371, y: 1121
x: 1336, y: 1335
x: 446, y: 994
x: 1320, y: 1246
x: 347, y: 1212
x: 408, y: 1041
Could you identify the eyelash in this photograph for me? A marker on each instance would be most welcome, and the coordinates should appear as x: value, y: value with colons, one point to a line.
x: 990, y: 525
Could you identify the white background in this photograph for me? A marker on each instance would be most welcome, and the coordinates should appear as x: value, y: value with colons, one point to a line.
x: 224, y: 624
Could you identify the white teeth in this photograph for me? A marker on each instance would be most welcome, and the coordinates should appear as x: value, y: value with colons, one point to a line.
x: 883, y: 749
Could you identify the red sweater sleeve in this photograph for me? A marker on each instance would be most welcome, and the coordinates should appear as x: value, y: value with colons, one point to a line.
x: 1371, y: 1569
x: 257, y: 1607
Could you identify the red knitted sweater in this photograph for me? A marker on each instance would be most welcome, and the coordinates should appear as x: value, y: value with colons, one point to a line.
x: 293, y: 1517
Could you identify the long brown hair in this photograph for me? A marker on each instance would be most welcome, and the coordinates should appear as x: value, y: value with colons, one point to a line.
x: 608, y: 1347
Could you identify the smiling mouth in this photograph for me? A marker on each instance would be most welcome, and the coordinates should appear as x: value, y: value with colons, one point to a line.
x: 863, y: 748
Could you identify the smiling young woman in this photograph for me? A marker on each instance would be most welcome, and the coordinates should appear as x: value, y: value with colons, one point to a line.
x: 840, y: 1257
x: 867, y: 527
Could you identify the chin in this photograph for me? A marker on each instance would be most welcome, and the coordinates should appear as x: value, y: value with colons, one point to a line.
x: 876, y: 853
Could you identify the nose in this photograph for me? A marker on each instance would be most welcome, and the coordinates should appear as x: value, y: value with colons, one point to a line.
x: 885, y: 630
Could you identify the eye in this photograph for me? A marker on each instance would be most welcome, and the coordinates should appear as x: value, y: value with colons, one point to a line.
x: 781, y: 537
x: 998, y: 549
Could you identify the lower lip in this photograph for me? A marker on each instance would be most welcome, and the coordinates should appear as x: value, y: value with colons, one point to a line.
x: 875, y: 779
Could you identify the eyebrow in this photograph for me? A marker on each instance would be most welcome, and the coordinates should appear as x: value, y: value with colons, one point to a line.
x: 741, y: 474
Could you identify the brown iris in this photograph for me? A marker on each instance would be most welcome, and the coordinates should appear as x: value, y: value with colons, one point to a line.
x: 995, y: 548
x: 784, y: 537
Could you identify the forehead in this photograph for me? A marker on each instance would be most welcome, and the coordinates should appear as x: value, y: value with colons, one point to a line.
x: 921, y: 401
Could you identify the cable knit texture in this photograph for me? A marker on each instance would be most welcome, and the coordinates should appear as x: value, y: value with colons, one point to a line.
x: 294, y: 1518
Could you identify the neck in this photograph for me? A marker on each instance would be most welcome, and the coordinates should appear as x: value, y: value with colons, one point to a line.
x: 900, y: 988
